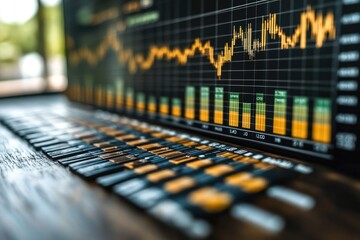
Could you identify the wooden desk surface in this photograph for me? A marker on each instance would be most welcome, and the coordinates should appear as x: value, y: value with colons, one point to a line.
x: 39, y: 199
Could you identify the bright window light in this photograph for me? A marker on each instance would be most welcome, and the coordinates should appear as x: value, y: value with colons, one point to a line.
x: 17, y: 11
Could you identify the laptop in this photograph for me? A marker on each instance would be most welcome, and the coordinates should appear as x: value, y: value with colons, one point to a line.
x: 212, y: 115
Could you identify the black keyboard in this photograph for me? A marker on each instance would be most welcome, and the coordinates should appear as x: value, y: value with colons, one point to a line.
x: 182, y: 180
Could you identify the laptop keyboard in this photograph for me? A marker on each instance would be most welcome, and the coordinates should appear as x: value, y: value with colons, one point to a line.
x: 179, y: 179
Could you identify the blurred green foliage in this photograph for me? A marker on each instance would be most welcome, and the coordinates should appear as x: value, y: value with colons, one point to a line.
x: 54, y: 31
x: 17, y: 40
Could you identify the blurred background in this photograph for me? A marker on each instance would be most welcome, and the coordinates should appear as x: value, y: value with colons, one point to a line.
x: 31, y: 47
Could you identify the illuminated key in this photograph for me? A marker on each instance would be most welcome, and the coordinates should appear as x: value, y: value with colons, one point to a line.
x: 247, y: 182
x: 179, y: 184
x: 204, y: 148
x: 150, y: 146
x: 237, y: 158
x: 145, y: 129
x: 219, y: 170
x: 172, y: 154
x: 109, y: 149
x: 123, y: 159
x: 226, y: 154
x: 112, y: 155
x: 136, y: 163
x: 110, y: 131
x: 101, y: 144
x: 248, y: 160
x: 232, y: 156
x: 114, y: 133
x: 126, y: 137
x: 159, y: 135
x: 263, y: 166
x: 160, y: 175
x: 210, y: 199
x: 189, y: 143
x: 145, y: 169
x: 183, y: 159
x: 137, y: 142
x: 174, y: 139
x: 161, y: 150
x: 199, y: 163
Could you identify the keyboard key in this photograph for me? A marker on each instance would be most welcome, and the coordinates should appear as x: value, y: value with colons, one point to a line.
x: 41, y: 139
x: 179, y: 179
x: 210, y: 199
x: 173, y: 214
x: 148, y: 197
x: 247, y: 182
x: 180, y: 184
x: 219, y: 170
x: 102, y: 171
x: 94, y: 167
x: 111, y: 179
x: 259, y: 217
x: 47, y: 143
x: 131, y: 186
x: 85, y: 162
x: 161, y: 175
x: 200, y: 163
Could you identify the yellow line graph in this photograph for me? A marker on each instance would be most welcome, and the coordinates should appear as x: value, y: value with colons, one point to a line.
x: 321, y: 29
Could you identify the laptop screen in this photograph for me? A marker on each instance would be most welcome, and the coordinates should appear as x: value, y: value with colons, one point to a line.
x: 277, y: 75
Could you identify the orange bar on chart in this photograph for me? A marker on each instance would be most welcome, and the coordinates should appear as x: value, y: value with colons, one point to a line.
x: 322, y: 121
x: 152, y: 105
x: 204, y: 104
x: 246, y: 115
x: 219, y: 101
x: 234, y: 110
x: 299, y: 126
x: 190, y: 102
x: 129, y: 99
x: 260, y: 114
x: 164, y: 105
x: 176, y: 107
x: 279, y: 124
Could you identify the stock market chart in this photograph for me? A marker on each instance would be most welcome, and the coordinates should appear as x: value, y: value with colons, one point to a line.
x: 274, y: 74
